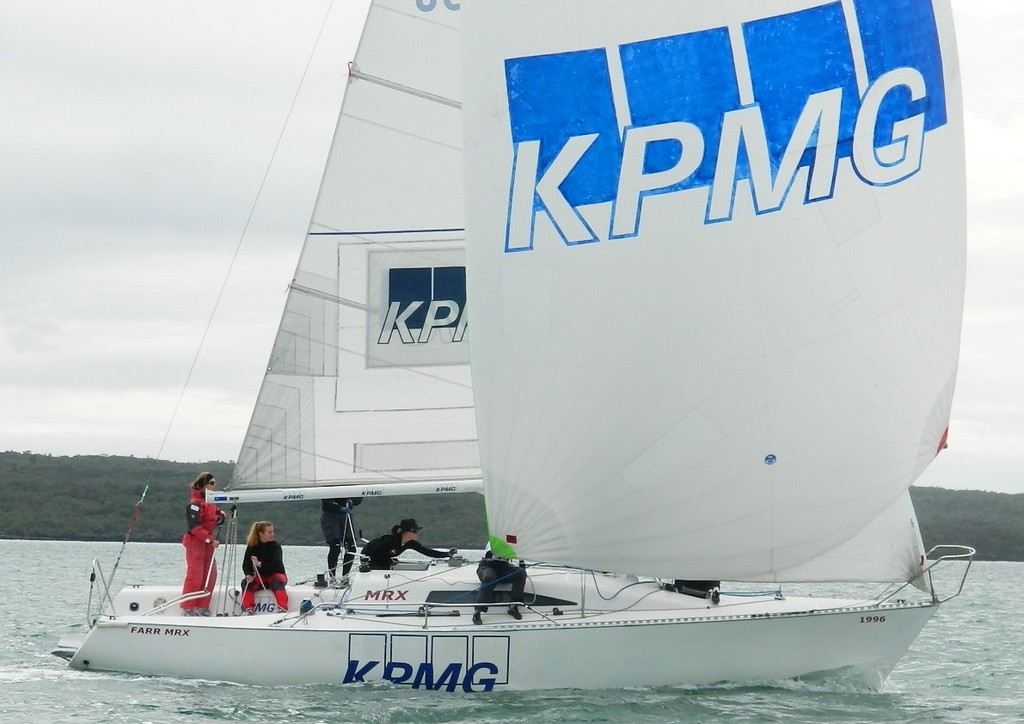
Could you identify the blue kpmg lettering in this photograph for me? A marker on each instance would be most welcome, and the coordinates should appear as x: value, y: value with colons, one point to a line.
x: 708, y: 110
x: 423, y: 300
x: 356, y: 671
x: 479, y: 677
x: 427, y: 6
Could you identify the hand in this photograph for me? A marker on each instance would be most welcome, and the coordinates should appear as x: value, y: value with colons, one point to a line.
x: 214, y: 542
x: 248, y: 579
x: 255, y: 561
x: 221, y: 517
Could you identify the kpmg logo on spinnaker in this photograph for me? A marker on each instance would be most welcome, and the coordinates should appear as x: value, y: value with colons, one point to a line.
x: 756, y: 106
x: 425, y: 304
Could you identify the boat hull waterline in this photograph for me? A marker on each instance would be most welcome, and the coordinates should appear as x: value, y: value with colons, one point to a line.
x: 375, y: 631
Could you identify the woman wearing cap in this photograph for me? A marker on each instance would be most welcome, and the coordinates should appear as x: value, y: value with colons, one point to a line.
x: 200, y: 541
x: 403, y: 537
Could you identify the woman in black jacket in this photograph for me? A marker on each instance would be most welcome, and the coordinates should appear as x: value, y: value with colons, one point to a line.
x: 263, y: 566
x: 403, y: 537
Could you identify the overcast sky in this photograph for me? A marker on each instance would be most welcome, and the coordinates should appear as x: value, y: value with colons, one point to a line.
x: 135, y: 137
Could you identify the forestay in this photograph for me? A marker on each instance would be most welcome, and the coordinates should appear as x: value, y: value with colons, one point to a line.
x: 368, y: 381
x: 716, y: 256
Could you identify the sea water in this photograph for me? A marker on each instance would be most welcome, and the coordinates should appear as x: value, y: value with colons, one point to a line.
x: 966, y: 666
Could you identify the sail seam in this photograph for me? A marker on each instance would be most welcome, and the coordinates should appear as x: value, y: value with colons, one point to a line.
x: 408, y: 134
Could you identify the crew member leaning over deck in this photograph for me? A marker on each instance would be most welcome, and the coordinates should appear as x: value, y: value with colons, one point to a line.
x: 403, y: 537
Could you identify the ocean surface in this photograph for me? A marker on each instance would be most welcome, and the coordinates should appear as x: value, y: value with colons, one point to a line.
x: 967, y: 665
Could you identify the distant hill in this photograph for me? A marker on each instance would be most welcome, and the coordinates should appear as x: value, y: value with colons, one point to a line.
x: 93, y: 497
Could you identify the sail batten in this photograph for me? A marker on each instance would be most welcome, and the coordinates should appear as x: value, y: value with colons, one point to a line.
x: 354, y: 72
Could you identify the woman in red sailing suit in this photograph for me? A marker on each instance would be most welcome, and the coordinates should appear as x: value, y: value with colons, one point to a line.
x: 200, y: 541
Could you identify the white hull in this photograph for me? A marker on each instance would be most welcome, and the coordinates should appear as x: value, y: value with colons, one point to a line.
x: 643, y: 636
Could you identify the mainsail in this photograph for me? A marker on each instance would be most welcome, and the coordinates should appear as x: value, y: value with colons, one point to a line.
x: 717, y: 258
x: 368, y: 380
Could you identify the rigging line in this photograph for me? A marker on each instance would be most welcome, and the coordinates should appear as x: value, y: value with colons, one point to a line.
x: 131, y: 526
x: 245, y: 230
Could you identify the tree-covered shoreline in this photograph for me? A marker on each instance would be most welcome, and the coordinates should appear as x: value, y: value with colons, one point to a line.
x: 93, y: 497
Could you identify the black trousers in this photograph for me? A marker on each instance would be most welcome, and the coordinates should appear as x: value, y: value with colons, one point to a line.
x: 490, y: 571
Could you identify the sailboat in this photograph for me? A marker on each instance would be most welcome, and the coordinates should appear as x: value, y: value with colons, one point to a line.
x: 716, y: 256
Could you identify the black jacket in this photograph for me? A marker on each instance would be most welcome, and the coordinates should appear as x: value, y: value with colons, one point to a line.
x: 268, y: 554
x: 381, y: 550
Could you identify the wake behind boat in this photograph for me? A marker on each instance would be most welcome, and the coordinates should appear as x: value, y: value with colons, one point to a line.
x: 715, y: 254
